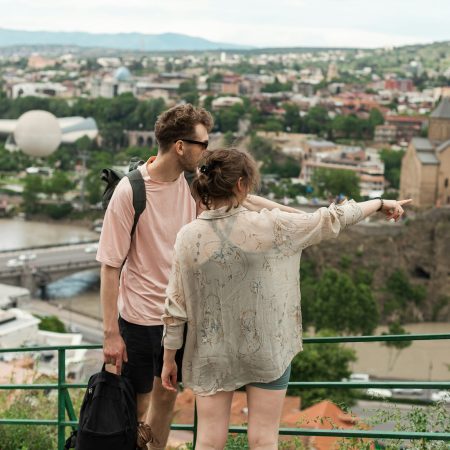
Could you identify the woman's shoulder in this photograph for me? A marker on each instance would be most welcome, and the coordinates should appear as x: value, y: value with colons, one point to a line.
x: 263, y: 216
x: 190, y: 228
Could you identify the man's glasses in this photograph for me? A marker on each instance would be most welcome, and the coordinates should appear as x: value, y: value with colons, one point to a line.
x: 191, y: 141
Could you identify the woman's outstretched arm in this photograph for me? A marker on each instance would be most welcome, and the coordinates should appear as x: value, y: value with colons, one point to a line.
x: 302, y: 230
x: 393, y: 209
x: 257, y: 203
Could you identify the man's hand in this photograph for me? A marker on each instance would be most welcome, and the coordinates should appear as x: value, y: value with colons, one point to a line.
x: 169, y: 375
x: 114, y: 351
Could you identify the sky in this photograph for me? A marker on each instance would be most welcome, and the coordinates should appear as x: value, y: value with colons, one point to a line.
x: 259, y: 23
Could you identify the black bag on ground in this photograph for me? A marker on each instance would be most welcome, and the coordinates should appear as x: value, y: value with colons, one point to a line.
x: 112, y: 177
x: 108, y: 418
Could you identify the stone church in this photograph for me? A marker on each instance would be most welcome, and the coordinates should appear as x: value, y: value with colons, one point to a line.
x: 425, y: 169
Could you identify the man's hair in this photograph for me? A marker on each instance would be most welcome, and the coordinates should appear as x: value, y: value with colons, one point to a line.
x: 179, y: 123
x: 223, y: 168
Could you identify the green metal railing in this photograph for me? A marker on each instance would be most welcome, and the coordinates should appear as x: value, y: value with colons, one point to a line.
x: 65, y: 403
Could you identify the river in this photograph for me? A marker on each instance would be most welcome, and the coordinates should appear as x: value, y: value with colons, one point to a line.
x: 423, y: 360
x: 18, y: 233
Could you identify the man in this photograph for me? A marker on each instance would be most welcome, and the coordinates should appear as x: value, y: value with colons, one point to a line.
x: 136, y: 292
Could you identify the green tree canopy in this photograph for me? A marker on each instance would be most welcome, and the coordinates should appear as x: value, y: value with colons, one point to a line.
x: 323, y: 362
x: 33, y: 184
x: 277, y: 86
x: 330, y: 182
x: 317, y: 121
x: 58, y: 184
x: 392, y: 165
x: 52, y: 323
x: 400, y: 294
x: 343, y: 306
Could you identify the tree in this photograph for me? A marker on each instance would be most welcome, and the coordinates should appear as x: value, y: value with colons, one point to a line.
x: 292, y: 119
x: 272, y: 125
x: 277, y: 86
x: 147, y: 112
x: 59, y: 184
x: 228, y: 119
x: 392, y: 165
x: 188, y: 91
x: 260, y: 148
x: 317, y: 121
x: 343, y: 306
x: 322, y: 362
x: 51, y: 323
x: 32, y: 186
x: 395, y: 347
x: 228, y: 139
x: 330, y: 182
x: 400, y: 294
x: 13, y: 161
x: 375, y: 117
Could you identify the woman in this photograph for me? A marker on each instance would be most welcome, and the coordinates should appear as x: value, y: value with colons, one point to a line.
x: 235, y: 280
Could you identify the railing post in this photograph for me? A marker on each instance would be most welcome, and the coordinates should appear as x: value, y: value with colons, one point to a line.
x: 61, y: 397
x: 194, y: 441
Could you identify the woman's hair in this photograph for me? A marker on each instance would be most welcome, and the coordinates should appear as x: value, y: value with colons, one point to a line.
x: 218, y: 177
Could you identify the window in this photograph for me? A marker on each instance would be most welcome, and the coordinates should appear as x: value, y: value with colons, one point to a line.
x: 446, y: 183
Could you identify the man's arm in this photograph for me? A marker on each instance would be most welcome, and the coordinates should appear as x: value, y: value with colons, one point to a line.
x: 114, y: 349
x: 256, y: 203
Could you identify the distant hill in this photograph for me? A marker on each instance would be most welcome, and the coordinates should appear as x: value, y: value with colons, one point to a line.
x: 120, y: 41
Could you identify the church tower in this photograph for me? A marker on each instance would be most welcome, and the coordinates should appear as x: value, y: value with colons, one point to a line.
x: 439, y: 126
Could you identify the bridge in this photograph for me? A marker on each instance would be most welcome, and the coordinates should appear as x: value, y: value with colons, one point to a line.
x: 35, y: 267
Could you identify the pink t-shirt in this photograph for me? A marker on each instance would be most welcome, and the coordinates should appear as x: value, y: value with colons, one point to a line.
x: 145, y: 275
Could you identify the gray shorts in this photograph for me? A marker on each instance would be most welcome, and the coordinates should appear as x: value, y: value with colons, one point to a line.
x: 276, y: 385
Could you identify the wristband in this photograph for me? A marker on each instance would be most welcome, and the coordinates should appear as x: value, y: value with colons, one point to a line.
x: 382, y: 203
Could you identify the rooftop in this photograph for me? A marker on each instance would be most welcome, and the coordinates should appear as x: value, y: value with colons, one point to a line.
x: 422, y: 144
x: 443, y: 109
x: 428, y: 158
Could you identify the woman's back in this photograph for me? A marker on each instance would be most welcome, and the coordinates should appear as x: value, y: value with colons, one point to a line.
x: 239, y: 272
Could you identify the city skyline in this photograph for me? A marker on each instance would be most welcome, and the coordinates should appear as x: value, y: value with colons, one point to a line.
x: 285, y: 23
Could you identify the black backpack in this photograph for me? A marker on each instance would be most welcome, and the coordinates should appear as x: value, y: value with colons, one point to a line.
x: 108, y: 418
x: 112, y: 177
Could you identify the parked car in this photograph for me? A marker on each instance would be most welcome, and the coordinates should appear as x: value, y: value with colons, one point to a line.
x: 27, y: 257
x: 407, y: 391
x: 362, y: 377
x: 441, y: 396
x: 379, y: 393
x: 14, y: 263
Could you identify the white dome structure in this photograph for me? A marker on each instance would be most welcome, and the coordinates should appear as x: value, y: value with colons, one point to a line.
x: 38, y: 133
x: 122, y: 74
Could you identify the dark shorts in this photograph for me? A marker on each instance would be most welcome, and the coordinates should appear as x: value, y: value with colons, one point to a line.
x: 145, y: 354
x: 278, y: 384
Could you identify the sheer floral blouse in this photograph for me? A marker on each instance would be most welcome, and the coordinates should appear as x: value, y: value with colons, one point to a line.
x: 235, y: 281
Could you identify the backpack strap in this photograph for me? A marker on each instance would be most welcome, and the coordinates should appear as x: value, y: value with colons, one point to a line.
x: 139, y: 195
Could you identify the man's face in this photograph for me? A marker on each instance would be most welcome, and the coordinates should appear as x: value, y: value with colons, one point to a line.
x: 193, y: 152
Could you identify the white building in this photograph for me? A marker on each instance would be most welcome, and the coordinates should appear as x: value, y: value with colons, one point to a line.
x: 17, y: 328
x: 37, y: 90
x: 12, y: 296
